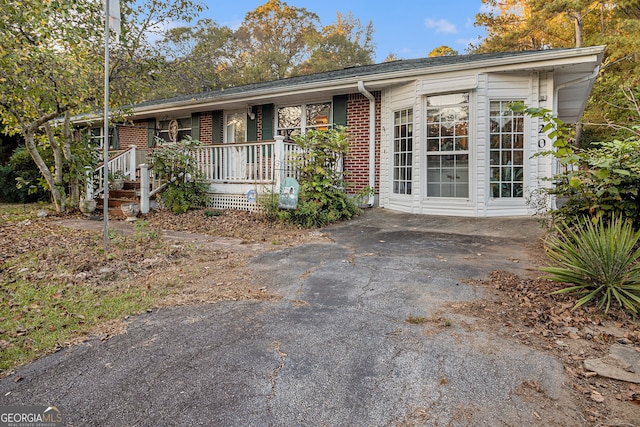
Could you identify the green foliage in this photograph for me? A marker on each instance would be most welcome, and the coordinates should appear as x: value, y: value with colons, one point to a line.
x: 599, y: 260
x: 443, y: 51
x: 50, y: 68
x: 605, y: 182
x: 173, y: 163
x: 342, y: 44
x: 599, y: 182
x: 142, y: 232
x: 20, y: 179
x: 322, y: 199
x: 275, y: 40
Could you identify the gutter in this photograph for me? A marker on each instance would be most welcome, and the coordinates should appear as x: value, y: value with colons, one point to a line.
x: 372, y: 141
x: 558, y: 88
x: 556, y: 92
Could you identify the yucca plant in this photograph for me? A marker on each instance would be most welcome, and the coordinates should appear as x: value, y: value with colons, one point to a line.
x: 600, y: 260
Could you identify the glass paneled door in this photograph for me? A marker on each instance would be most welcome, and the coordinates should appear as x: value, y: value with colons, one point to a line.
x: 235, y: 133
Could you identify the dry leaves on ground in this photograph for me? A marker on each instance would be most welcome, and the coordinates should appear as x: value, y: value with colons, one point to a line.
x: 526, y: 309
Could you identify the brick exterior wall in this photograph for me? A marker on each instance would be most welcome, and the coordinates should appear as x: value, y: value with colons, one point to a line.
x: 133, y: 134
x: 206, y: 128
x: 356, y: 164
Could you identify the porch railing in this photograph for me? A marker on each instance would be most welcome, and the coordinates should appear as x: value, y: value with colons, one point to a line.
x: 124, y: 162
x: 264, y: 162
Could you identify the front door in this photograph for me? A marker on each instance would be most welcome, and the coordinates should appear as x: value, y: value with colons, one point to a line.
x: 235, y: 132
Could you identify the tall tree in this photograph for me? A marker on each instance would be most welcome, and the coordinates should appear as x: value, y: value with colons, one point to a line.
x: 443, y: 51
x: 50, y: 67
x: 46, y: 71
x: 202, y: 58
x: 272, y: 40
x: 514, y: 25
x: 344, y: 43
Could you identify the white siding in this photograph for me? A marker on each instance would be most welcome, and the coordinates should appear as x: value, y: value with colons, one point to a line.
x: 532, y: 88
x: 399, y: 98
x: 482, y: 138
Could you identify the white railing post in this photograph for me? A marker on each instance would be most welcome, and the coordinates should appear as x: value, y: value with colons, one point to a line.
x: 144, y: 188
x: 132, y: 162
x: 279, y: 161
x: 88, y: 171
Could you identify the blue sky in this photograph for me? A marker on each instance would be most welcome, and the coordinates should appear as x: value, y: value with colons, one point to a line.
x: 409, y: 28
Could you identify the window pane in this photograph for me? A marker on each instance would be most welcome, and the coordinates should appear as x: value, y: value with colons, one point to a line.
x: 447, y: 120
x: 402, y: 155
x: 289, y: 117
x: 318, y: 115
x: 506, y: 150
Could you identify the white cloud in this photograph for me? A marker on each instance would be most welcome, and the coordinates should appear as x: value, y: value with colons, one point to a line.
x: 440, y: 25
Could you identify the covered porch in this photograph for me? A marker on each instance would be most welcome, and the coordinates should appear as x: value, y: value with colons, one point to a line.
x: 230, y: 170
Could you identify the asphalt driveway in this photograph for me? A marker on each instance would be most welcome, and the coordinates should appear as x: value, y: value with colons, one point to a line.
x: 336, y: 350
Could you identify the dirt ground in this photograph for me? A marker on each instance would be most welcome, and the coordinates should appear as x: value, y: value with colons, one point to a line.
x: 517, y: 307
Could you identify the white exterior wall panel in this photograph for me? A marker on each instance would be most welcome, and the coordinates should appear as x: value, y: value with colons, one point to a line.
x: 399, y: 98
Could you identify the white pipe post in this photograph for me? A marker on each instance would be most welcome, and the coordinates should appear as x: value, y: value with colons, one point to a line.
x: 279, y: 160
x: 88, y: 188
x: 132, y: 163
x: 105, y: 139
x: 144, y: 188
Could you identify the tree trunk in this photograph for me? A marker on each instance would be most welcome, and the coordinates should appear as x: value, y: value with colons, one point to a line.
x: 74, y: 184
x: 577, y: 17
x: 57, y: 195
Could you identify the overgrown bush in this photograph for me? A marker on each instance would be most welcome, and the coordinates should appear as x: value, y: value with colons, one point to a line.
x: 20, y: 179
x: 174, y: 163
x: 600, y: 260
x: 322, y: 198
x: 599, y: 182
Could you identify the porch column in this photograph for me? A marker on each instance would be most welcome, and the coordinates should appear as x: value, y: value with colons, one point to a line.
x: 132, y: 162
x: 280, y: 166
x: 144, y: 188
x: 88, y: 172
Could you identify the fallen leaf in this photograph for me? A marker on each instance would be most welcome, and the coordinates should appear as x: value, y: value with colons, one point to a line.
x: 596, y: 396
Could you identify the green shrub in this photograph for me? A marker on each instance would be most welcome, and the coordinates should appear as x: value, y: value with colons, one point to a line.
x: 174, y: 163
x: 20, y: 179
x: 600, y: 259
x: 322, y: 199
x: 600, y: 182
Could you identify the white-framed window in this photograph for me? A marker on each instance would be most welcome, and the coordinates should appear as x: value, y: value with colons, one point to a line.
x: 402, y: 151
x: 447, y: 141
x: 95, y: 137
x: 298, y: 119
x: 172, y: 130
x: 506, y: 151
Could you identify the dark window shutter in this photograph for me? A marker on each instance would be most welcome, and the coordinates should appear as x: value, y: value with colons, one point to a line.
x: 114, y: 142
x: 216, y: 127
x: 151, y: 132
x: 195, y: 126
x: 340, y: 110
x: 267, y: 122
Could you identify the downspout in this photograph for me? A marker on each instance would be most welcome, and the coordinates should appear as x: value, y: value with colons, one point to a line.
x: 372, y: 141
x: 556, y: 92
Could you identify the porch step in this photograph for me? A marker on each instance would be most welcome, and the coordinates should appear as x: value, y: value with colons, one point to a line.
x: 129, y: 194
